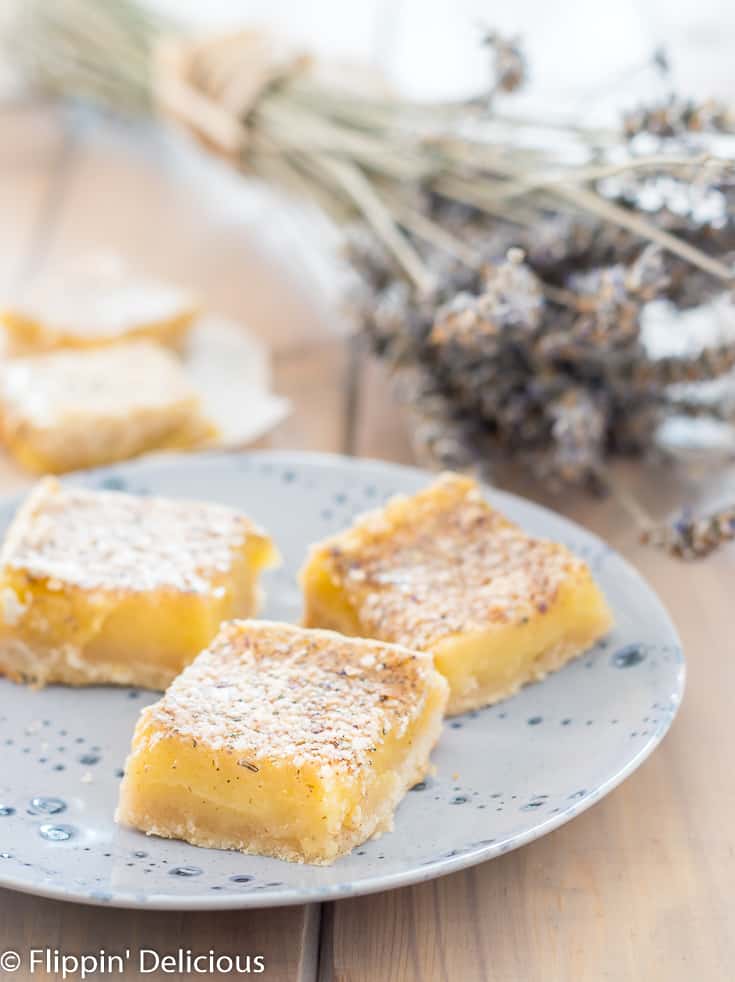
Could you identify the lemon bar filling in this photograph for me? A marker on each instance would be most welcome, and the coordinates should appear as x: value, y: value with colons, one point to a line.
x: 285, y: 742
x: 446, y: 573
x: 73, y: 409
x: 97, y: 303
x: 107, y: 587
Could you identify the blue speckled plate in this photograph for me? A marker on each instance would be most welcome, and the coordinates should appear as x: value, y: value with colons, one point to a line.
x: 505, y: 775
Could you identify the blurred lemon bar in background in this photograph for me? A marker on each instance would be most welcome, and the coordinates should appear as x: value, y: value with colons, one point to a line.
x: 285, y: 742
x: 73, y: 409
x: 104, y: 587
x: 444, y: 572
x: 97, y: 300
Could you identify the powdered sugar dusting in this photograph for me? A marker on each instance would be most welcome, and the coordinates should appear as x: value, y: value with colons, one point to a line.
x: 99, y: 297
x: 444, y: 563
x: 115, y: 541
x: 46, y: 390
x: 285, y: 693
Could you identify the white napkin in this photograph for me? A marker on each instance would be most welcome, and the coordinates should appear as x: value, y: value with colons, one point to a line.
x: 230, y: 369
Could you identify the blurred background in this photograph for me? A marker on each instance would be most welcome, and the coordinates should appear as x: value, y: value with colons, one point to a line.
x: 429, y: 47
x: 73, y: 182
x: 589, y: 58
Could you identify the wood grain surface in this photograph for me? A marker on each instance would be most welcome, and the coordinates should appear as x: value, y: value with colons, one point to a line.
x: 641, y: 887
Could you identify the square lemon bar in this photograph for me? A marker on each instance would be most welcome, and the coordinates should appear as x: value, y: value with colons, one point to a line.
x: 93, y: 303
x: 285, y: 742
x: 73, y: 409
x: 444, y: 572
x: 104, y: 587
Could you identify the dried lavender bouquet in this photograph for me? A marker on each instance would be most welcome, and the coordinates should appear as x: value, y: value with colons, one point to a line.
x: 535, y: 353
x: 530, y: 348
x: 504, y: 279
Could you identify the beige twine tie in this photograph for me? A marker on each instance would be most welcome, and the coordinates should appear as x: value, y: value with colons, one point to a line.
x: 210, y: 86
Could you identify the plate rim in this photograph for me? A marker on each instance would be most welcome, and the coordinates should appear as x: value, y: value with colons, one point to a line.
x: 292, y: 896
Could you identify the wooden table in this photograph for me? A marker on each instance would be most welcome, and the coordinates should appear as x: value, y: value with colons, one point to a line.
x: 642, y: 886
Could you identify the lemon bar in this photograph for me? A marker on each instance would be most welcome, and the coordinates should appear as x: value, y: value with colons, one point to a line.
x: 444, y: 572
x: 97, y: 303
x: 73, y: 409
x: 285, y: 742
x: 104, y: 587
